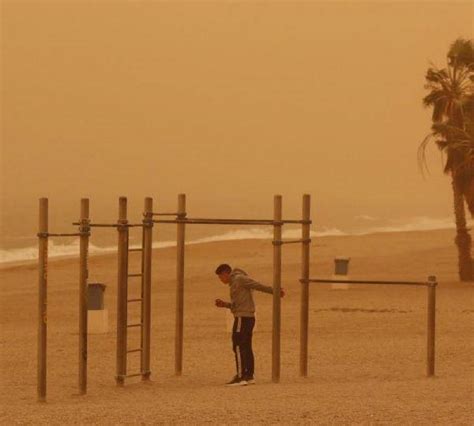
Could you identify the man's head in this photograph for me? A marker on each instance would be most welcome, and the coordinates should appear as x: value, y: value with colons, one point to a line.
x: 223, y: 272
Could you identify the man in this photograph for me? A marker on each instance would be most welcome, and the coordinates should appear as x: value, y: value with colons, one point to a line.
x: 242, y: 307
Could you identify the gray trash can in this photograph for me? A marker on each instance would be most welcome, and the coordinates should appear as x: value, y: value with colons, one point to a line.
x: 341, y: 265
x: 95, y: 296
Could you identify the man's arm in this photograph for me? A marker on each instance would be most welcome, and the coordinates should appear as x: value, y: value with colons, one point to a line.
x: 248, y: 282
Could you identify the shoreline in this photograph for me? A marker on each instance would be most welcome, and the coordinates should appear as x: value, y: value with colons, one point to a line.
x: 27, y: 263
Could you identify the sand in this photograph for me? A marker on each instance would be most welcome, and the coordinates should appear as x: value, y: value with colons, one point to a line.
x: 367, y: 344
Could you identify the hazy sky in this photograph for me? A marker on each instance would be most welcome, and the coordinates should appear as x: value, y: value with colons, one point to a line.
x: 229, y: 102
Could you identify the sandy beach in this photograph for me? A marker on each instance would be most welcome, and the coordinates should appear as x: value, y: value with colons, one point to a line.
x: 367, y: 343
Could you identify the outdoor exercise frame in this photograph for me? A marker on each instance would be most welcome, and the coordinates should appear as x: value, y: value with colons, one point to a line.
x: 430, y: 284
x: 123, y: 276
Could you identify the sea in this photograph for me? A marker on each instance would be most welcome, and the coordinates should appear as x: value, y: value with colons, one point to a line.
x: 23, y: 248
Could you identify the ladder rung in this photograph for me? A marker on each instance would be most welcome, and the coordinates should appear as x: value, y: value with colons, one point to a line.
x: 134, y: 350
x: 134, y: 300
x: 138, y: 324
x: 134, y: 275
x: 135, y: 249
x: 134, y: 375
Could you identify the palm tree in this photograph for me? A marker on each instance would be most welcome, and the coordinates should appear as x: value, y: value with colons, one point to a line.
x: 452, y: 98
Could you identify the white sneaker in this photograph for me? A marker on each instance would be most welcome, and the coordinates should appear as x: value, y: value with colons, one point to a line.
x: 250, y: 380
x: 237, y: 381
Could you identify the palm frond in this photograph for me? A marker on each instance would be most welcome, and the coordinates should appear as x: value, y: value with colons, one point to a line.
x: 461, y: 51
x: 451, y: 95
x: 421, y: 155
x: 436, y: 76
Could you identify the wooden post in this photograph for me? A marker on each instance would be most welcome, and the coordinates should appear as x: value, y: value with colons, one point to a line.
x: 180, y: 285
x: 430, y: 361
x: 277, y: 233
x: 83, y: 274
x: 304, y: 314
x: 42, y: 298
x: 146, y: 288
x: 122, y: 283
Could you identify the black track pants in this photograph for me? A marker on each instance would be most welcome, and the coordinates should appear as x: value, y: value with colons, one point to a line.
x: 242, y: 345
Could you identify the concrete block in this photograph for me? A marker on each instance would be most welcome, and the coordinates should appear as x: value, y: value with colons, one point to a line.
x: 98, y: 321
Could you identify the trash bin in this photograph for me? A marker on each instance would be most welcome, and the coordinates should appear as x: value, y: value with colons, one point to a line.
x: 341, y: 265
x: 97, y: 316
x: 95, y: 296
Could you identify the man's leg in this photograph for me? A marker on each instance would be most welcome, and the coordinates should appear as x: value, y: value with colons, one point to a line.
x: 251, y: 361
x: 246, y: 346
x: 236, y: 346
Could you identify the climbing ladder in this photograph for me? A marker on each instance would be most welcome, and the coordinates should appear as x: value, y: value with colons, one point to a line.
x: 135, y: 325
x: 129, y: 279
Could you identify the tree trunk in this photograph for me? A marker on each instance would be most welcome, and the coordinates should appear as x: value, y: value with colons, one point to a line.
x: 463, y: 239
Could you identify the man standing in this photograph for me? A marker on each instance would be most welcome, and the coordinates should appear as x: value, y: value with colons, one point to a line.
x: 242, y: 307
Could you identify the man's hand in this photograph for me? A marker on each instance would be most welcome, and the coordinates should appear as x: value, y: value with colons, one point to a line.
x: 221, y: 304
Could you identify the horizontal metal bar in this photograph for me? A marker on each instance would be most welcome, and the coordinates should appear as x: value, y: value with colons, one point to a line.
x: 298, y: 222
x: 134, y: 350
x: 134, y: 375
x: 335, y: 281
x: 271, y: 221
x: 280, y: 242
x: 164, y: 214
x: 205, y: 221
x: 47, y: 234
x: 230, y: 222
x: 228, y: 219
x: 213, y: 222
x: 134, y: 300
x: 138, y: 324
x: 134, y: 275
x: 111, y: 225
x: 101, y: 225
x: 135, y: 249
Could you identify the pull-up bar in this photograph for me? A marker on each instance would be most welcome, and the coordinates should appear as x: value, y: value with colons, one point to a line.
x: 431, y: 284
x: 204, y: 221
x: 333, y: 281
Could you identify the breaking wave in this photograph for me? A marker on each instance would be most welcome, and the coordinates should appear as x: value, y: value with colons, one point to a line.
x: 421, y: 223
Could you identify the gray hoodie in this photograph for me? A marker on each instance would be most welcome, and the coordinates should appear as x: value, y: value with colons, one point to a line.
x: 241, y: 300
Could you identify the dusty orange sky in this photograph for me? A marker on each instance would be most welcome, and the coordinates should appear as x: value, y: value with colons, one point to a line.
x: 228, y: 102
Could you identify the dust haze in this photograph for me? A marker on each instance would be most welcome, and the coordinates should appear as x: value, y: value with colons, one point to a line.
x: 227, y: 102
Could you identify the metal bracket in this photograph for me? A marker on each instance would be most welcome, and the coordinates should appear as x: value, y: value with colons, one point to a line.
x: 122, y: 225
x: 148, y: 222
x: 84, y: 228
